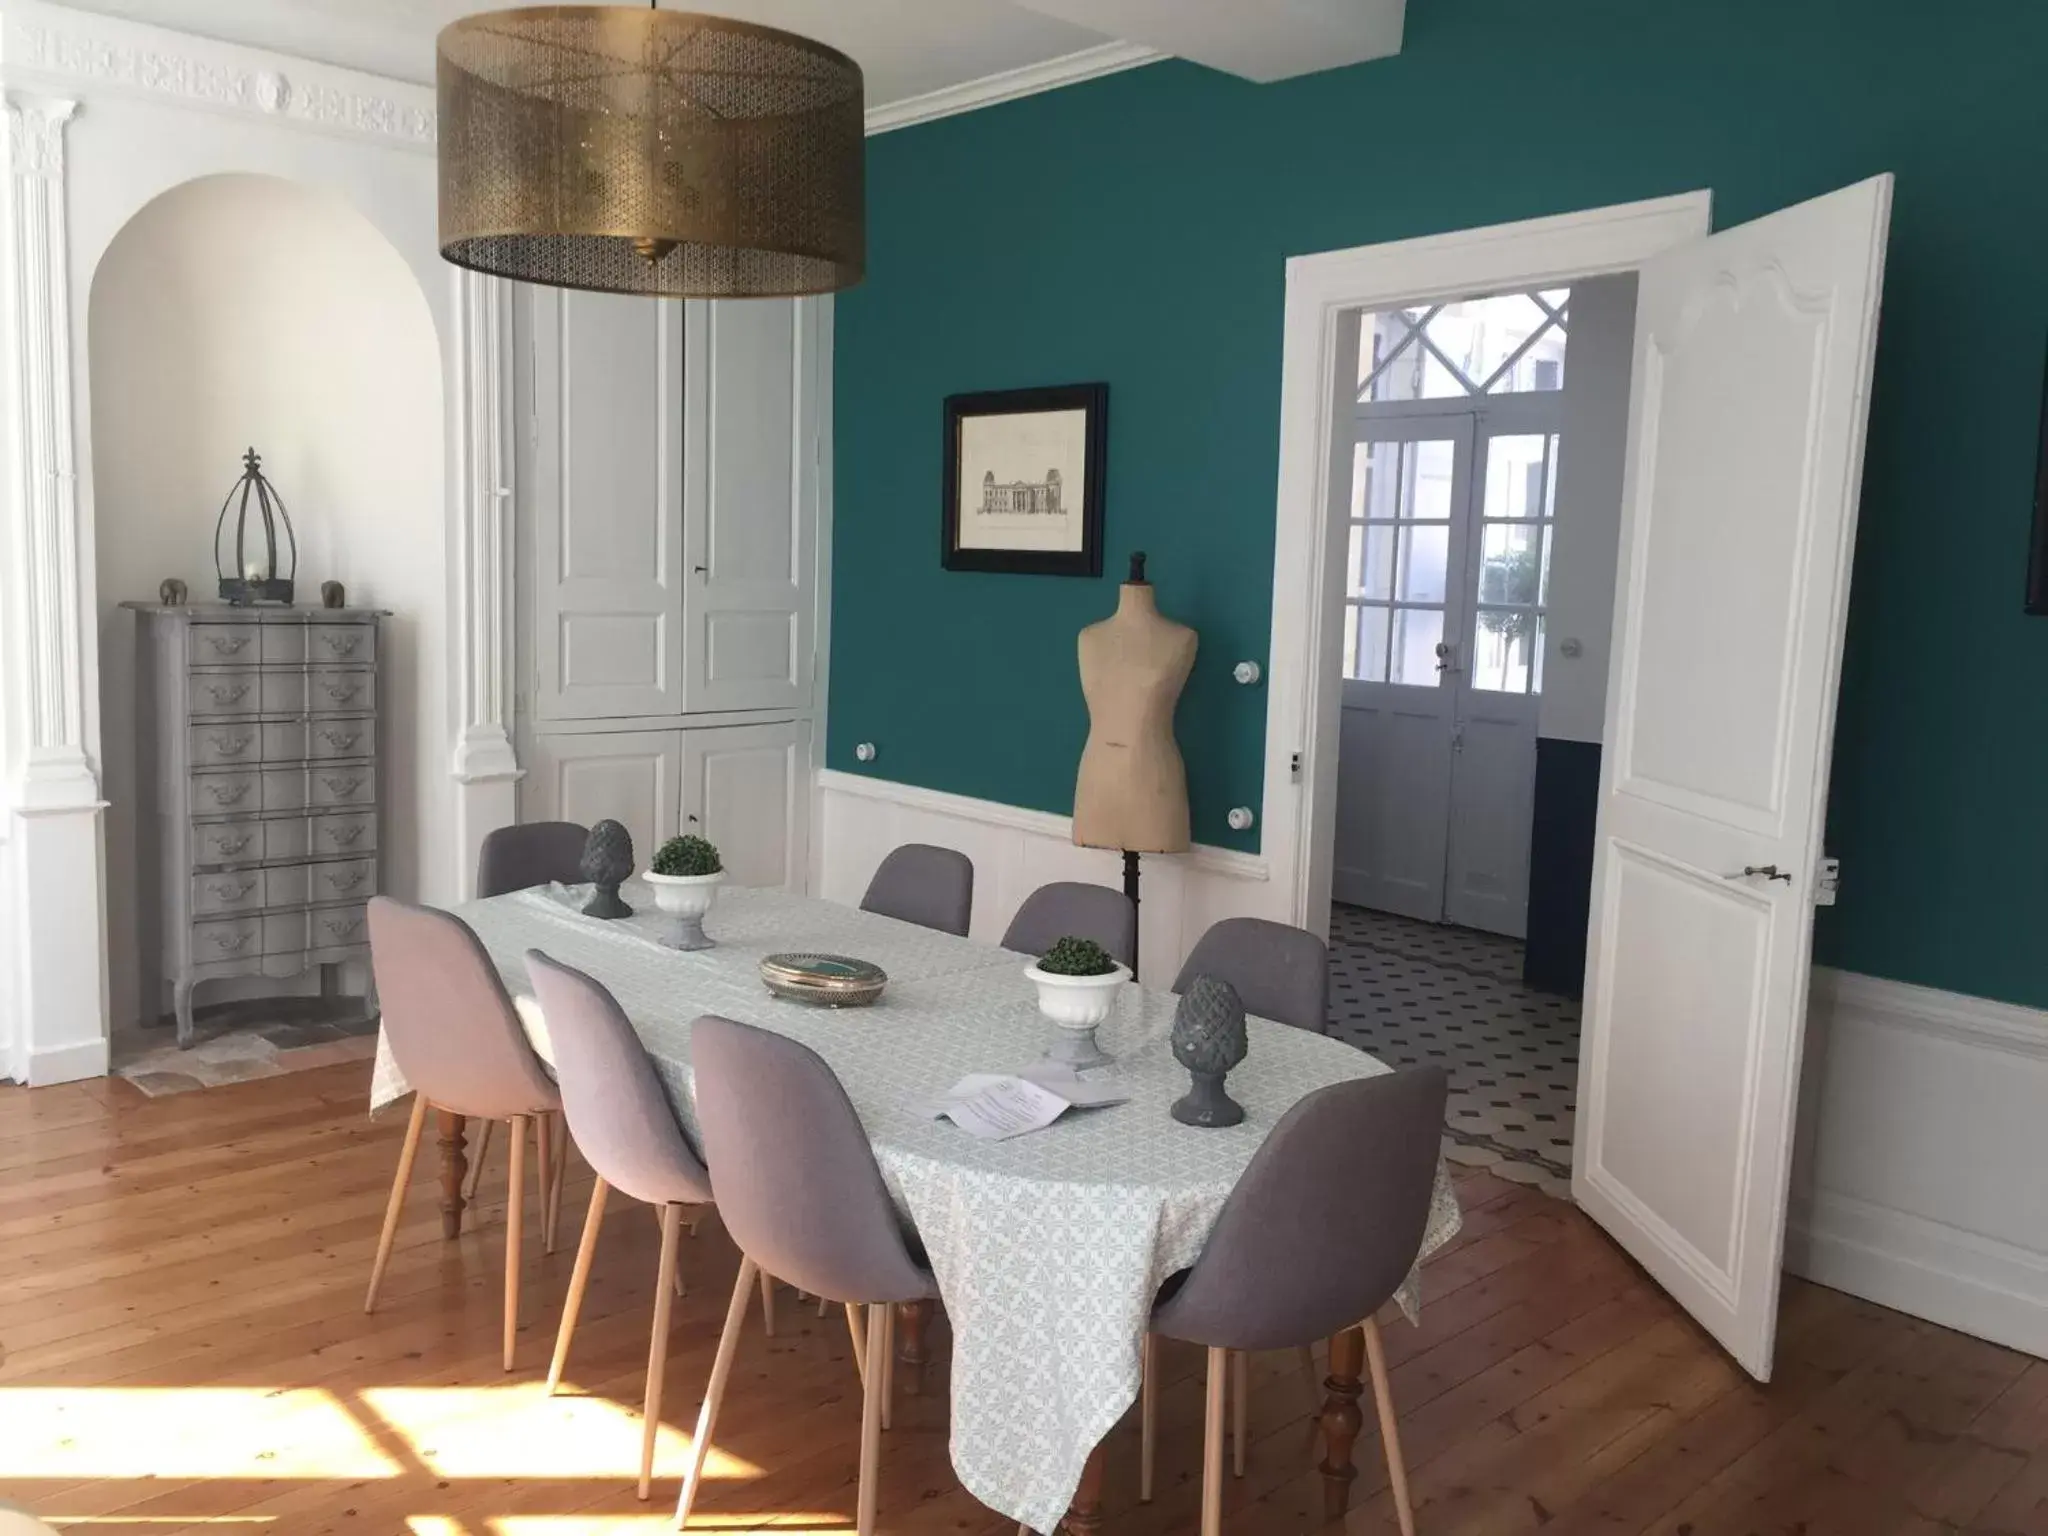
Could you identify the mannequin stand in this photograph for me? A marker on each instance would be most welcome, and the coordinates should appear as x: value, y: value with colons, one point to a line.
x: 1131, y: 890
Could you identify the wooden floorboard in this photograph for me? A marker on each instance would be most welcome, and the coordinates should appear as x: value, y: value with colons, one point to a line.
x: 183, y: 1347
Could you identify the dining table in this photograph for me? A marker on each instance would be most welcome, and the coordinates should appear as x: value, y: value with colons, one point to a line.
x: 1048, y: 1248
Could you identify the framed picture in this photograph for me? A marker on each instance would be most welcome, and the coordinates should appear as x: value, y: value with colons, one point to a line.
x: 2037, y: 549
x: 1024, y: 472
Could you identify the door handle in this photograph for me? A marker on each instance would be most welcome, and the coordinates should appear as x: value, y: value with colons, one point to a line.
x: 1767, y: 871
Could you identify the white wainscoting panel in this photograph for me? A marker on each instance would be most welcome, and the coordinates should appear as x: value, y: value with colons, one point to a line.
x: 1922, y: 1176
x: 1015, y: 851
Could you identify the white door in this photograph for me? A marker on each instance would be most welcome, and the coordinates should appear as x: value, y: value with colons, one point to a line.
x: 1409, y: 488
x: 747, y: 788
x: 608, y: 506
x: 634, y: 777
x: 1752, y: 371
x: 751, y: 515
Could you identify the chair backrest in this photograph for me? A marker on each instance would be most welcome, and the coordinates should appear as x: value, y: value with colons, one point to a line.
x: 795, y: 1178
x: 1325, y: 1223
x: 1281, y: 973
x: 533, y: 853
x: 618, y: 1112
x: 1065, y: 907
x: 448, y: 1016
x: 932, y: 887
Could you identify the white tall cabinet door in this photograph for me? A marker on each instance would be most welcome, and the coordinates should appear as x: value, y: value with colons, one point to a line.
x: 608, y: 506
x: 1752, y: 372
x: 747, y: 788
x: 750, y: 526
x: 634, y: 777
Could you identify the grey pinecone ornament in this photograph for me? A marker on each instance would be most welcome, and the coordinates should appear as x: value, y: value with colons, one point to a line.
x: 1209, y: 1039
x: 607, y: 860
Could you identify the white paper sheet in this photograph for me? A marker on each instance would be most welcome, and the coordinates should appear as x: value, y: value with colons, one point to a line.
x: 996, y: 1107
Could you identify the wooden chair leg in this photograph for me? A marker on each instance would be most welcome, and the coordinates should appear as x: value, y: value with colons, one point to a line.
x: 860, y: 1348
x: 1148, y: 1417
x: 554, y: 1214
x: 579, y: 1277
x: 714, y: 1389
x: 515, y: 1226
x: 1390, y: 1431
x: 767, y: 1303
x: 483, y: 1146
x: 657, y: 1344
x: 1241, y: 1385
x: 888, y: 1365
x: 871, y: 1406
x: 824, y: 1306
x: 1212, y: 1442
x: 543, y: 1176
x: 396, y: 1206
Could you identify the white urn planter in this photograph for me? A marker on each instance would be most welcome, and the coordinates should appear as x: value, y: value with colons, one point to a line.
x: 1077, y: 1005
x: 686, y: 898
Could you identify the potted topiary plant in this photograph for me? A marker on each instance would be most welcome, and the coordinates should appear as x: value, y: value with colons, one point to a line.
x: 685, y: 875
x: 1077, y: 984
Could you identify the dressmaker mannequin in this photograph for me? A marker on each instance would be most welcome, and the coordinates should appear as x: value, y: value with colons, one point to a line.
x: 1133, y: 789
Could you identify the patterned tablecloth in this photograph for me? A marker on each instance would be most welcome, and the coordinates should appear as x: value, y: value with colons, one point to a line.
x: 1049, y: 1247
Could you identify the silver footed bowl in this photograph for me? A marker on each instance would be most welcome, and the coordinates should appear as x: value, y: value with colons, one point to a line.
x: 831, y: 981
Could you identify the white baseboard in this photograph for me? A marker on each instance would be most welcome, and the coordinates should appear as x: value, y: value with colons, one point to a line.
x: 859, y: 819
x: 1924, y: 1134
x: 50, y: 1065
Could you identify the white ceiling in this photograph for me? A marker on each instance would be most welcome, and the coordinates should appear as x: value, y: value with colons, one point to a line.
x: 906, y: 48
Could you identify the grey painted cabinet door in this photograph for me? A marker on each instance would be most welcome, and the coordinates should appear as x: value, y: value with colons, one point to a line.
x: 629, y: 776
x: 747, y: 788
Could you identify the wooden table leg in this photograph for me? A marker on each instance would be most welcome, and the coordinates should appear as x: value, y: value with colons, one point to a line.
x: 911, y: 1317
x: 1084, y: 1515
x: 1341, y: 1418
x: 454, y: 1165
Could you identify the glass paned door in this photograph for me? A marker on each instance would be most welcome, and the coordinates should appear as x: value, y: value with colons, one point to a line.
x: 1405, y: 551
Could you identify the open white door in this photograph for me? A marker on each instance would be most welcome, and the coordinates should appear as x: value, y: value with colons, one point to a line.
x: 1752, y: 372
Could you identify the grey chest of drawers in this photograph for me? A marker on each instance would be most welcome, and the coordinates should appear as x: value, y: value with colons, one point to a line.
x: 261, y: 792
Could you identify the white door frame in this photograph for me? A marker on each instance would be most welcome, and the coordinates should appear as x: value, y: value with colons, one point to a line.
x: 1321, y: 352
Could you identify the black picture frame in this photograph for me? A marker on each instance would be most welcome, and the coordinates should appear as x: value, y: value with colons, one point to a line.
x: 1093, y: 399
x: 2037, y: 547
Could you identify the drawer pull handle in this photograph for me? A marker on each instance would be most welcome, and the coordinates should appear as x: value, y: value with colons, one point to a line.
x: 342, y: 645
x: 343, y: 788
x: 341, y: 930
x: 224, y: 693
x: 346, y: 882
x: 348, y: 837
x: 233, y: 845
x: 340, y: 694
x: 231, y: 746
x: 341, y: 741
x: 230, y: 646
x: 222, y: 941
x: 228, y: 890
x: 223, y: 795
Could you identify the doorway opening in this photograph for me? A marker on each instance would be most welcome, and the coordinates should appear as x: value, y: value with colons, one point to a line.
x: 1478, y: 546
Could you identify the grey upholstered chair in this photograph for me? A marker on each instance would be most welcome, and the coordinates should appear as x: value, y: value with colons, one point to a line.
x: 1317, y: 1236
x: 932, y: 887
x: 454, y: 1034
x: 1281, y: 973
x: 621, y: 1120
x: 533, y: 853
x: 1052, y: 912
x: 800, y: 1193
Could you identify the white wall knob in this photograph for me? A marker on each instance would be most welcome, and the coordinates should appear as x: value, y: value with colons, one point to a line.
x: 865, y: 752
x: 1241, y: 818
x: 1246, y: 672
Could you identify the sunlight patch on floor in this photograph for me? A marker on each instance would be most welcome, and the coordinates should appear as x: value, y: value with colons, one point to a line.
x: 517, y: 1430
x: 184, y: 1432
x: 636, y: 1525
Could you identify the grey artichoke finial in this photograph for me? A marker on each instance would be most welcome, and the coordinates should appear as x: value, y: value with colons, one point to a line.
x: 1209, y: 1039
x: 607, y: 861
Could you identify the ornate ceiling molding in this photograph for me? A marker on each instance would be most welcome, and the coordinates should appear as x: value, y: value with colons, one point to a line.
x: 49, y: 44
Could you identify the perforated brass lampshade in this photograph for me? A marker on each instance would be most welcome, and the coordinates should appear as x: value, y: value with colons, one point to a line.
x: 646, y: 151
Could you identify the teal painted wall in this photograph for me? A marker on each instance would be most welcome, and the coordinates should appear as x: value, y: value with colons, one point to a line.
x: 1134, y: 230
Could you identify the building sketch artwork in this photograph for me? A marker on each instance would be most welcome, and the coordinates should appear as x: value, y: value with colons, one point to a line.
x: 1029, y: 498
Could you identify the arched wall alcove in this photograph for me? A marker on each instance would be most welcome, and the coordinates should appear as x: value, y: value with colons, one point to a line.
x: 242, y: 310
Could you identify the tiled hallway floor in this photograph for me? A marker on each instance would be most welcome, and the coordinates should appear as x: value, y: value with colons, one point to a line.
x: 1413, y: 993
